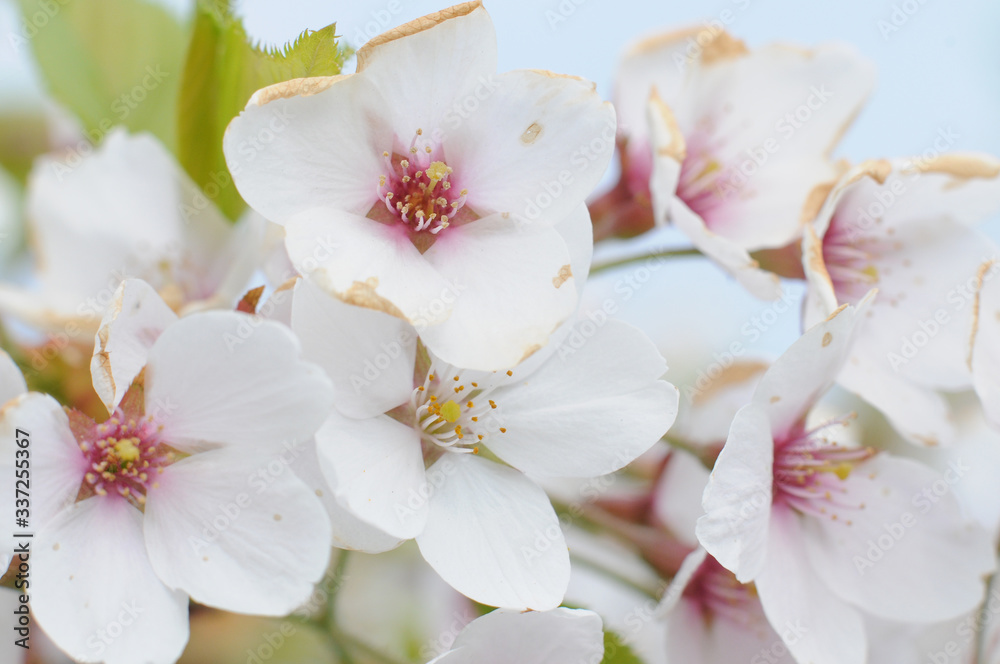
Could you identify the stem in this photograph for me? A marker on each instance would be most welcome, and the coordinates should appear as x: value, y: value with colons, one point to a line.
x: 343, y: 638
x: 665, y: 254
x: 615, y: 576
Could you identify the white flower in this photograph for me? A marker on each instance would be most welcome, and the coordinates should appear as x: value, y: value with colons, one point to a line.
x: 827, y: 531
x: 906, y: 227
x: 11, y: 386
x: 729, y: 143
x: 421, y: 449
x: 126, y: 210
x: 433, y: 183
x: 560, y: 636
x: 164, y: 500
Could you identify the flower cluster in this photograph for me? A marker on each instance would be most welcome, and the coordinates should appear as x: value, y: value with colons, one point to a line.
x: 218, y: 412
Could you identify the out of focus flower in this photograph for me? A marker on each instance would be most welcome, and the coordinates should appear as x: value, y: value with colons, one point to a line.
x: 828, y: 531
x: 162, y: 501
x: 728, y: 144
x: 433, y: 182
x: 906, y: 227
x: 559, y: 636
x: 444, y: 454
x: 125, y: 210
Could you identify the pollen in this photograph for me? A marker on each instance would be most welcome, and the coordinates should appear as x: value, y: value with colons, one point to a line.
x: 127, y: 450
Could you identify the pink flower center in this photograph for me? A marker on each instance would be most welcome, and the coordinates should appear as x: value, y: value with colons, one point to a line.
x: 810, y: 473
x: 125, y: 455
x: 848, y: 255
x: 417, y: 189
x: 717, y: 593
x: 705, y: 184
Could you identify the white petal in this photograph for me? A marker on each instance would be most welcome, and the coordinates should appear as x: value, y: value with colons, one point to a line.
x: 737, y: 500
x: 95, y: 593
x: 368, y: 263
x: 560, y: 636
x: 376, y: 470
x: 500, y: 315
x: 57, y: 465
x: 309, y: 143
x: 348, y: 531
x: 452, y: 52
x: 986, y: 346
x: 368, y: 355
x: 920, y: 414
x: 733, y: 258
x: 134, y: 320
x: 591, y: 409
x: 221, y: 377
x: 237, y: 531
x: 11, y: 379
x: 912, y: 527
x: 806, y: 370
x: 677, y: 498
x: 536, y: 147
x: 768, y: 119
x: 816, y: 625
x: 493, y: 535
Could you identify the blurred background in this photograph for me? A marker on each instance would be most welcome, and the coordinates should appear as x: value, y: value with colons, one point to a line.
x: 939, y: 72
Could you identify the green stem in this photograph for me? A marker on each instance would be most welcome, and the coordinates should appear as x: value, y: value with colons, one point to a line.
x: 656, y: 255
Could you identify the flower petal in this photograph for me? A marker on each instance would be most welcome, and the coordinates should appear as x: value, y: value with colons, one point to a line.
x: 221, y: 377
x: 559, y: 636
x: 367, y: 263
x: 376, y: 470
x: 368, y: 355
x: 134, y: 320
x: 677, y: 498
x: 448, y: 52
x: 911, y: 527
x: 536, y: 146
x: 237, y: 531
x: 497, y: 321
x: 985, y: 345
x: 816, y: 625
x: 493, y: 536
x: 94, y: 592
x: 590, y: 411
x: 808, y: 368
x: 307, y: 143
x: 737, y: 500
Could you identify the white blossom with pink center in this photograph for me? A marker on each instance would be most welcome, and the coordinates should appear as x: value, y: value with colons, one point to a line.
x: 151, y: 507
x: 728, y: 143
x: 420, y: 449
x: 430, y: 186
x: 907, y: 227
x: 829, y: 531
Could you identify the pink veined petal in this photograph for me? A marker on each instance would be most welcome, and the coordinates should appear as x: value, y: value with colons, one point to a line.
x: 225, y: 378
x: 492, y: 535
x: 95, y: 593
x: 238, y: 531
x: 133, y: 322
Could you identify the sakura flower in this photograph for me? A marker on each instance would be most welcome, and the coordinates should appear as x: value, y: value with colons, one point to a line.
x: 11, y: 386
x: 159, y: 503
x: 421, y: 449
x: 829, y: 532
x: 728, y: 145
x: 433, y: 183
x: 560, y: 636
x: 906, y: 227
x: 127, y: 209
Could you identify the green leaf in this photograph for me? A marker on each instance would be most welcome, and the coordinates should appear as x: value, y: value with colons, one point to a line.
x: 222, y: 71
x: 616, y: 652
x: 109, y: 62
